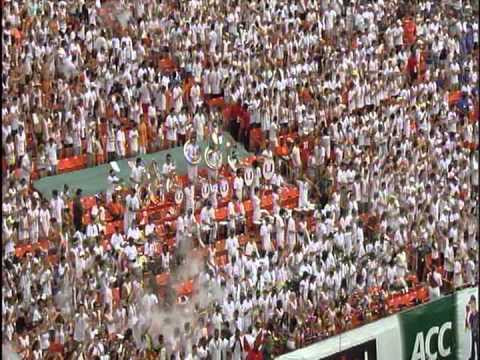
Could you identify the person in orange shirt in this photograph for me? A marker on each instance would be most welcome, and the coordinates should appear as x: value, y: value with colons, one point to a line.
x: 422, y: 63
x: 116, y: 208
x: 143, y: 136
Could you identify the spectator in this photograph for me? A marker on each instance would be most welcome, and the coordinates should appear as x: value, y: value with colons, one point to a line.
x: 78, y: 211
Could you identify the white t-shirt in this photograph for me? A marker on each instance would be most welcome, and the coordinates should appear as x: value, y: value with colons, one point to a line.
x: 57, y: 205
x: 171, y: 124
x: 265, y: 233
x: 117, y: 241
x: 51, y: 150
x: 137, y: 173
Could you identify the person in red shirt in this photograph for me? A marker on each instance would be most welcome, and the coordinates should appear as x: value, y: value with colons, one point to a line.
x: 412, y: 67
x: 254, y: 353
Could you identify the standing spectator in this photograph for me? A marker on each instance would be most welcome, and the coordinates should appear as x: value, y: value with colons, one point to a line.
x: 52, y: 160
x: 435, y: 282
x: 78, y: 211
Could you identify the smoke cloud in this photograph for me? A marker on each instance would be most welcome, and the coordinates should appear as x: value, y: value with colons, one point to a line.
x: 8, y: 353
x: 164, y: 321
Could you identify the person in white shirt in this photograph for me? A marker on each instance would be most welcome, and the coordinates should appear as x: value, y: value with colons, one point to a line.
x: 56, y: 206
x: 291, y: 232
x: 238, y: 185
x: 169, y: 166
x: 180, y: 233
x: 20, y: 142
x: 134, y: 232
x: 232, y: 245
x: 172, y: 130
x: 195, y: 96
x: 131, y: 251
x: 435, y: 282
x: 296, y: 160
x: 138, y: 170
x: 120, y: 145
x: 236, y: 345
x: 217, y: 346
x: 449, y: 261
x: 208, y: 223
x: 183, y: 122
x: 52, y: 159
x: 113, y: 181
x: 193, y: 152
x: 189, y: 192
x: 303, y: 188
x: 199, y: 123
x: 132, y: 205
x: 92, y: 231
x: 265, y: 234
x: 256, y: 202
x: 457, y: 273
x: 81, y: 325
x: 133, y: 139
x: 280, y: 229
x: 117, y: 240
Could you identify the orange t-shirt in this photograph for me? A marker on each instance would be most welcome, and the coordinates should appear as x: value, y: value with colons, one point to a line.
x: 409, y: 31
x: 115, y: 208
x: 56, y: 348
x: 305, y: 95
x: 143, y: 133
x: 169, y: 98
x: 187, y: 86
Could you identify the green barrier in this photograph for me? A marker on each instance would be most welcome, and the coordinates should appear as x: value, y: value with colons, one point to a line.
x: 446, y: 328
x: 94, y: 180
x: 441, y: 330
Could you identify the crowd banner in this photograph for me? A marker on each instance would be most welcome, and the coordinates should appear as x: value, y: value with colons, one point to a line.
x: 438, y: 330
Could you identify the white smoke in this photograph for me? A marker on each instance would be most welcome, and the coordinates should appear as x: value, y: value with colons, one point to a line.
x: 68, y: 70
x: 114, y: 12
x: 164, y: 321
x: 123, y: 17
x: 8, y: 353
x: 63, y: 299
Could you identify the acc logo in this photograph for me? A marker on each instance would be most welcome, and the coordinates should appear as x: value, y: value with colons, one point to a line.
x: 422, y: 349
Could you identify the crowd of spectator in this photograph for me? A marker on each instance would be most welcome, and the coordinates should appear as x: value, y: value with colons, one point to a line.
x: 369, y: 110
